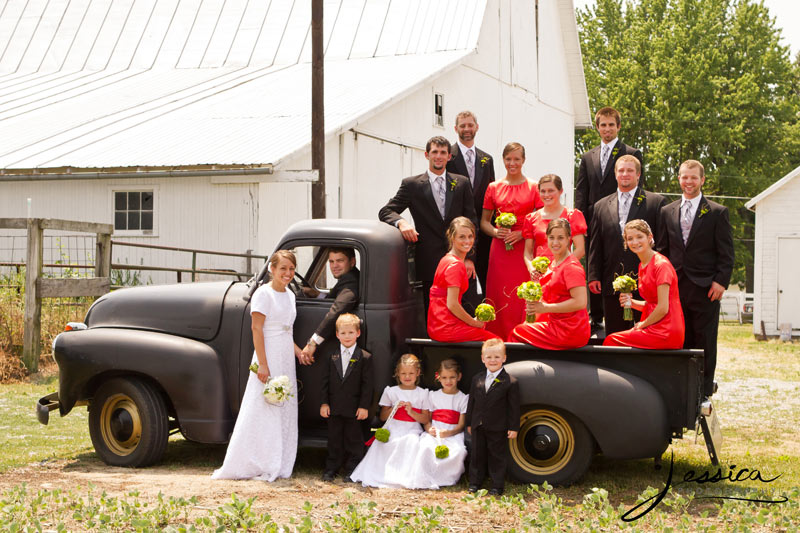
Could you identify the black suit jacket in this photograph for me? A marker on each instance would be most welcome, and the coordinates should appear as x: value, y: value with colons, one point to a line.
x: 484, y: 175
x: 607, y: 256
x: 345, y: 394
x: 708, y: 254
x: 415, y: 195
x: 345, y: 295
x: 593, y: 185
x: 496, y: 409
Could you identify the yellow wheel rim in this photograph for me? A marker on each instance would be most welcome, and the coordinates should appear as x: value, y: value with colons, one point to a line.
x: 120, y: 424
x: 545, y: 443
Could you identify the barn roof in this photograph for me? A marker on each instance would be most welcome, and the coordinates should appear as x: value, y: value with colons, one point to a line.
x: 159, y: 83
x: 772, y: 188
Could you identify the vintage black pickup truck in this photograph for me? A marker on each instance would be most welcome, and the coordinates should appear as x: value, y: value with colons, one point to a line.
x: 152, y: 360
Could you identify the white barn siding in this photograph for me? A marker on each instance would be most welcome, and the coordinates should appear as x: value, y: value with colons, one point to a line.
x: 776, y: 216
x: 188, y: 213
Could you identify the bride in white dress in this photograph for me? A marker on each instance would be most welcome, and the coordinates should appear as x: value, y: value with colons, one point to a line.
x: 264, y: 441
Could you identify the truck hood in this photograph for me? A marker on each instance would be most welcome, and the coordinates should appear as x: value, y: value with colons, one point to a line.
x: 192, y: 310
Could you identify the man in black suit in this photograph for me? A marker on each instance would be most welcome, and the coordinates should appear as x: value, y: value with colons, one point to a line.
x: 342, y: 263
x: 608, y: 257
x: 596, y: 178
x: 697, y: 238
x: 492, y: 418
x: 434, y: 198
x: 469, y: 160
x: 347, y: 390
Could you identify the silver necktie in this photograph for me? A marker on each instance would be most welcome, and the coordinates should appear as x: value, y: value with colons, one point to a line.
x: 442, y: 196
x: 604, y: 158
x: 686, y: 221
x: 471, y: 165
x: 624, y: 207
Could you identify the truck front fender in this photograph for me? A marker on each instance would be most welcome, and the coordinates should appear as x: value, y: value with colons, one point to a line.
x: 189, y: 373
x: 624, y: 413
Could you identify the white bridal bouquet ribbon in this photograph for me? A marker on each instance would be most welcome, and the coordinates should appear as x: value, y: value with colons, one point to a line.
x: 277, y: 390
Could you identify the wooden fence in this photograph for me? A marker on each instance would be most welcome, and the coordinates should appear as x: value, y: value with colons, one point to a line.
x: 37, y: 287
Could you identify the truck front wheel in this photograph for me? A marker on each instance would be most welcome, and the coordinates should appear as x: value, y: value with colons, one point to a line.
x: 128, y: 423
x: 552, y: 445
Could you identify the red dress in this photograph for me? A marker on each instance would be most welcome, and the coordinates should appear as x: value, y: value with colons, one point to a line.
x: 558, y: 331
x: 535, y: 227
x: 667, y: 333
x: 443, y: 325
x: 507, y: 267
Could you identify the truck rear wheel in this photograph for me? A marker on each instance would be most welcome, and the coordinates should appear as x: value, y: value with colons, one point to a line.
x: 128, y: 423
x: 552, y: 445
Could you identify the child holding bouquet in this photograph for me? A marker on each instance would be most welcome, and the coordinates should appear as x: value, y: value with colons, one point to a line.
x: 662, y: 324
x: 447, y: 319
x: 440, y: 460
x: 562, y: 322
x: 405, y: 408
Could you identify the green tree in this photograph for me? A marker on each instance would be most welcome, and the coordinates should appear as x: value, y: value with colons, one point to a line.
x: 699, y: 79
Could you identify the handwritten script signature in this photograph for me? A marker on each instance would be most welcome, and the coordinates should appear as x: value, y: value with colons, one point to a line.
x: 743, y: 474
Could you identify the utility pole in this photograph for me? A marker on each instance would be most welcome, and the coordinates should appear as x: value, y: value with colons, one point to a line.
x: 317, y: 111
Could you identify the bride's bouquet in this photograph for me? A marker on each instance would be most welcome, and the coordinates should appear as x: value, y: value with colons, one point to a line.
x: 278, y: 390
x: 625, y: 285
x: 506, y: 220
x: 530, y: 291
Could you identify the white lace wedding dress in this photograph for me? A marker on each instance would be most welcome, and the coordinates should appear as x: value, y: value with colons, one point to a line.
x: 264, y: 441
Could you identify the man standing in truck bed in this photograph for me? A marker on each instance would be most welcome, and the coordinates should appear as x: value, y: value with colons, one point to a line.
x: 434, y: 198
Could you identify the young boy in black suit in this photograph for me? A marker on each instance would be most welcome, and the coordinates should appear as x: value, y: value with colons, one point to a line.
x: 347, y: 390
x: 492, y: 418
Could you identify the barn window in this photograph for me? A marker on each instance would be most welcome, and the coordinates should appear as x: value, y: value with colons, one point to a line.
x: 133, y: 211
x: 438, y: 110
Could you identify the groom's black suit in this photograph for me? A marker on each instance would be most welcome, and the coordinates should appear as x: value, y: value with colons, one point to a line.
x: 415, y: 194
x: 706, y: 257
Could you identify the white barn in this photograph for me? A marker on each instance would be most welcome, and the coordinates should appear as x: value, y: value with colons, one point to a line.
x: 187, y: 123
x: 777, y: 254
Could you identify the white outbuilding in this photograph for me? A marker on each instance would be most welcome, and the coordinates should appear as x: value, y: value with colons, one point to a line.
x: 777, y: 256
x: 187, y: 123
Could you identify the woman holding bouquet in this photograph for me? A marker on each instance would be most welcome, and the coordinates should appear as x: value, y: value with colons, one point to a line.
x: 562, y: 322
x: 662, y: 324
x: 517, y: 195
x: 534, y: 228
x: 447, y: 319
x: 264, y: 441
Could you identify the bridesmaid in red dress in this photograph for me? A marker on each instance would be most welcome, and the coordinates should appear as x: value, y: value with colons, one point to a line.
x: 662, y: 324
x: 513, y: 194
x: 534, y: 228
x: 562, y: 322
x: 447, y: 320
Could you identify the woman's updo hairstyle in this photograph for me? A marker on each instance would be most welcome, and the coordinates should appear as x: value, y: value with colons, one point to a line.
x: 557, y: 223
x: 638, y: 225
x: 510, y: 147
x: 458, y: 222
x: 547, y: 178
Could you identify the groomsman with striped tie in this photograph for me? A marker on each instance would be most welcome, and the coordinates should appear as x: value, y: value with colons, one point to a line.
x: 697, y: 238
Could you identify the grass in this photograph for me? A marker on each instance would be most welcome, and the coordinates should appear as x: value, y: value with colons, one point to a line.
x: 758, y: 404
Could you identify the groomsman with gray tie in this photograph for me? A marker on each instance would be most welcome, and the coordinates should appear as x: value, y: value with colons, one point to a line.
x: 697, y: 238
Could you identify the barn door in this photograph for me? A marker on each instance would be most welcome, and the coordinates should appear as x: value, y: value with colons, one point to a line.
x: 788, y: 287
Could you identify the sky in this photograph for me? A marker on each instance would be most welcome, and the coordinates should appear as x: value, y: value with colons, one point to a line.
x: 784, y: 11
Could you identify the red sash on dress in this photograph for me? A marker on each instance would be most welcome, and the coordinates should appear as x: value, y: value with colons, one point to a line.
x: 438, y: 292
x: 446, y: 416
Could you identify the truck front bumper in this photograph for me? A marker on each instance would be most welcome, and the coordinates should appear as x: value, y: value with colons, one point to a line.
x: 45, y: 405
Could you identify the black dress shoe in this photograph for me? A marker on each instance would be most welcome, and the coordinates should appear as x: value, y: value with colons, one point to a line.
x: 495, y: 492
x: 473, y: 489
x: 347, y: 479
x: 328, y: 475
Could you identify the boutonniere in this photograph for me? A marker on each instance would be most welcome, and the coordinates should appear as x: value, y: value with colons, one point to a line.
x: 614, y: 152
x: 452, y: 183
x: 353, y: 360
x: 703, y: 210
x: 496, y: 380
x: 484, y: 161
x: 640, y: 198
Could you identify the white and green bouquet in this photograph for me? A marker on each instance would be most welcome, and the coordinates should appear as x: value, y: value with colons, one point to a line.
x: 506, y: 220
x: 278, y: 390
x: 626, y: 285
x: 485, y: 312
x: 530, y: 291
x: 540, y: 264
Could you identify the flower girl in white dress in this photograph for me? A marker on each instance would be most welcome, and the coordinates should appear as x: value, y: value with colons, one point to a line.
x: 448, y: 412
x: 264, y: 441
x: 391, y: 463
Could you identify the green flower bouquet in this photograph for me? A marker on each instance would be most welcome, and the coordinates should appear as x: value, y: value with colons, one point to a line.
x: 626, y: 285
x: 530, y: 291
x: 441, y: 451
x: 485, y: 312
x: 506, y: 220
